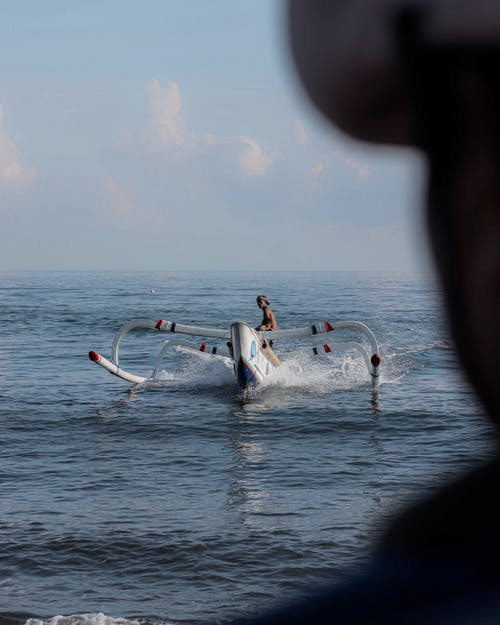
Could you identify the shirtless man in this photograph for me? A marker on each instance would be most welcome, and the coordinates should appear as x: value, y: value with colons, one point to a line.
x: 269, y: 320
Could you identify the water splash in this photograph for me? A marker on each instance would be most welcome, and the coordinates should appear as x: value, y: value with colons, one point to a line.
x: 320, y: 374
x: 299, y: 370
x: 196, y: 369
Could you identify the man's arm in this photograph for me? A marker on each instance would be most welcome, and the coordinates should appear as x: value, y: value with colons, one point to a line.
x: 273, y: 325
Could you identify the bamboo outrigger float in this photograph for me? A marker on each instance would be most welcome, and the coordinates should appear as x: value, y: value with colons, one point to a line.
x: 250, y: 351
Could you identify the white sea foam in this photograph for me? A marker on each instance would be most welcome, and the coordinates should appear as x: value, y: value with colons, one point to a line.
x: 83, y: 619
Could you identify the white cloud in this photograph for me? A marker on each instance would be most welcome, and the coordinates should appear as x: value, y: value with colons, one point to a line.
x: 131, y: 213
x: 317, y: 156
x: 10, y: 158
x: 252, y: 159
x: 170, y: 135
x: 358, y: 166
x: 167, y: 124
x: 209, y: 139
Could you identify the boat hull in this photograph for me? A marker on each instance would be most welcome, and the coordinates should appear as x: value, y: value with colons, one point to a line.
x: 254, y: 360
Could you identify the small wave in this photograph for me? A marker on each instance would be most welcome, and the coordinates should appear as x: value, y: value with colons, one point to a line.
x: 86, y: 619
x: 425, y: 347
x: 399, y: 363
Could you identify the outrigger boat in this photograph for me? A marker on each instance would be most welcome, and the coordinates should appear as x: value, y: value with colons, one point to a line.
x: 249, y: 351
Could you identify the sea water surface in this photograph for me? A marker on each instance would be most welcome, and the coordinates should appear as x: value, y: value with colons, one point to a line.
x: 183, y: 501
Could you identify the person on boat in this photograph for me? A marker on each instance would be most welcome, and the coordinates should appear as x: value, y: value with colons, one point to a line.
x: 425, y: 74
x: 268, y: 320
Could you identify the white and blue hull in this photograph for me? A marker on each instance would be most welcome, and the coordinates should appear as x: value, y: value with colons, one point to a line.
x: 252, y: 361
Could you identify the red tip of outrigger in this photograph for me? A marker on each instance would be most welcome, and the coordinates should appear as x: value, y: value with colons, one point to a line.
x: 94, y: 356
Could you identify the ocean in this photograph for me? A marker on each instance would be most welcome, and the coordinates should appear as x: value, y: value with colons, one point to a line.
x: 184, y: 500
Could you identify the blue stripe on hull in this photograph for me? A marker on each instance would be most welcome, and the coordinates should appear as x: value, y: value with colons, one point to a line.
x: 246, y: 375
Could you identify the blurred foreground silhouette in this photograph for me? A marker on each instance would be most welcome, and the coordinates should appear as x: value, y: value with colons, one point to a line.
x: 425, y: 74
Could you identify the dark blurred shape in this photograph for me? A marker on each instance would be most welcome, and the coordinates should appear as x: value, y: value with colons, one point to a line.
x: 425, y: 74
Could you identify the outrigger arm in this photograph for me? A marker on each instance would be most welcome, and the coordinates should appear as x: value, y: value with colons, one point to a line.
x: 113, y: 365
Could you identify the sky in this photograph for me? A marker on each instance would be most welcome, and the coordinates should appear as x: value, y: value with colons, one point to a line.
x: 174, y: 135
